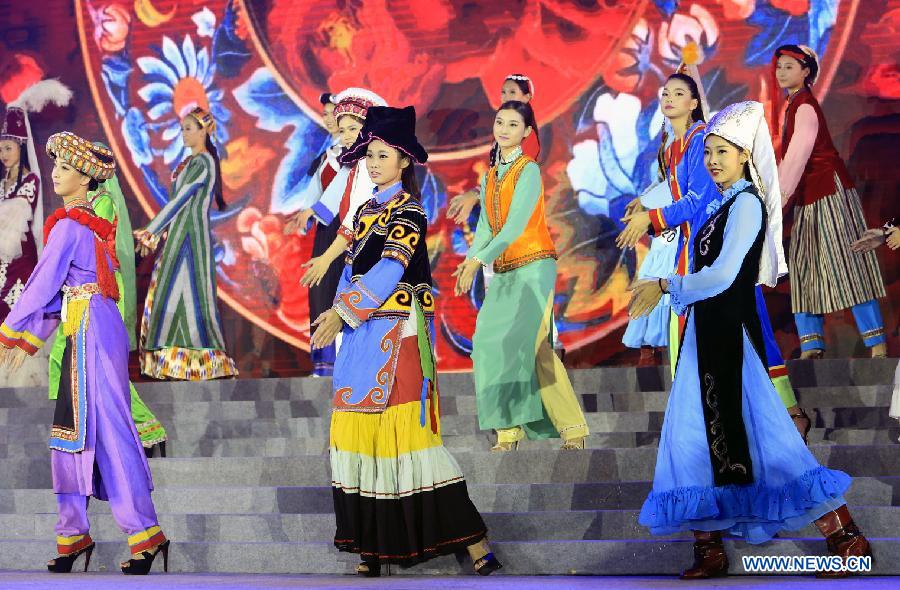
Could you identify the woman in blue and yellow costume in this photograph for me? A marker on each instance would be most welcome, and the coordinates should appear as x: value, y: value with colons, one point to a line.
x: 729, y: 460
x: 94, y: 447
x: 399, y: 496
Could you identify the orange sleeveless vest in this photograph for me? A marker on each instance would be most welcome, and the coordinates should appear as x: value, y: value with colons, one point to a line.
x: 535, y: 242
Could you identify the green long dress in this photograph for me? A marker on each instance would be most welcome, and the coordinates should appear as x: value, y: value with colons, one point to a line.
x: 107, y: 203
x: 181, y: 331
x: 519, y: 383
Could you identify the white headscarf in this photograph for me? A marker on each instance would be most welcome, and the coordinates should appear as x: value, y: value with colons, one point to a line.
x: 744, y: 124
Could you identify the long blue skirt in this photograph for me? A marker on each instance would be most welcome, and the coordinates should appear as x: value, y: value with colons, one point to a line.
x: 790, y: 488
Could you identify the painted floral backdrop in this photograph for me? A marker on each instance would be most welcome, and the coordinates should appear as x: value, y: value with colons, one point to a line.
x: 260, y: 65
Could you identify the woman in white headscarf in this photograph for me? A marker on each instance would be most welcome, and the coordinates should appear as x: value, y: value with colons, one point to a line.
x: 729, y: 460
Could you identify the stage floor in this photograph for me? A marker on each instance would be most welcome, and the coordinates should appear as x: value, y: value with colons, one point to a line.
x: 109, y: 581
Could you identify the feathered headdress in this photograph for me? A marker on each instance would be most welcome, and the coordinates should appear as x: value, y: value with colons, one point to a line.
x: 17, y: 126
x: 37, y: 96
x: 691, y: 57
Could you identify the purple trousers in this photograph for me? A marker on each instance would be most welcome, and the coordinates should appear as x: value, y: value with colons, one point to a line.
x: 112, y: 465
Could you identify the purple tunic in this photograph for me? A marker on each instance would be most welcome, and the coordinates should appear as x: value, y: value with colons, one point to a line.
x: 101, y: 352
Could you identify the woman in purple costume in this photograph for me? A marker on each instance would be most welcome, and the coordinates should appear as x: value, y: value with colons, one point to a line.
x: 95, y: 448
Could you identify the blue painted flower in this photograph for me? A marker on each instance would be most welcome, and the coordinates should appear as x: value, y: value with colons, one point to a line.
x: 608, y: 171
x: 262, y: 97
x: 179, y: 79
x: 778, y: 27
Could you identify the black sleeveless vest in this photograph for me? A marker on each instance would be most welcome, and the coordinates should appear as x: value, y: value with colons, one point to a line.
x: 720, y: 323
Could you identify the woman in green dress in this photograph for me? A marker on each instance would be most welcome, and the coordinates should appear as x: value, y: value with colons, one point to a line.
x: 108, y: 203
x: 181, y: 332
x: 522, y: 389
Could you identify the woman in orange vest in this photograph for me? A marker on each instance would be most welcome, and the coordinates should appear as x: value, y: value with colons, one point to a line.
x: 521, y: 386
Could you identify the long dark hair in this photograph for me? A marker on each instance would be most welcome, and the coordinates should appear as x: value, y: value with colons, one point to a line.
x: 408, y: 178
x: 23, y: 163
x: 94, y: 184
x: 217, y: 188
x: 696, y: 115
x: 527, y: 113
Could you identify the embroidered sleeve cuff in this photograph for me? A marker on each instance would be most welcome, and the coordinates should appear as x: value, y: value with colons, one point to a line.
x: 346, y: 314
x: 674, y: 294
x: 25, y: 340
x: 355, y: 304
x: 658, y: 221
x: 400, y: 255
x: 345, y: 233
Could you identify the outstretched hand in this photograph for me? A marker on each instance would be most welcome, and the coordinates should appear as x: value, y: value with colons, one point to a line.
x: 328, y: 325
x: 12, y: 358
x: 871, y: 239
x: 645, y: 295
x: 465, y: 275
x: 298, y: 222
x: 316, y: 269
x: 637, y: 225
x: 635, y: 206
x: 461, y: 206
x: 145, y: 243
x: 893, y: 238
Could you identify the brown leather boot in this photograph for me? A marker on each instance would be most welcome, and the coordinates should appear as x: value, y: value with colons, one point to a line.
x: 843, y: 538
x: 710, y: 559
x: 648, y: 356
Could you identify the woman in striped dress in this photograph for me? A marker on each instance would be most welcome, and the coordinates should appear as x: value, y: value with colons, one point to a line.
x: 181, y: 332
x: 827, y: 276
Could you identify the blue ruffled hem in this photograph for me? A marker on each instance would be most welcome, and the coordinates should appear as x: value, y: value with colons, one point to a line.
x: 755, y: 512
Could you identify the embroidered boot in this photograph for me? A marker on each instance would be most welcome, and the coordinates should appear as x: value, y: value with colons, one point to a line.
x: 843, y: 538
x: 710, y: 559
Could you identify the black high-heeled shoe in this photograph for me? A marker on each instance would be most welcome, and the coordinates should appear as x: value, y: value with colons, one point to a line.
x: 369, y: 569
x: 141, y: 567
x: 62, y: 564
x: 152, y: 450
x: 803, y: 423
x: 485, y: 566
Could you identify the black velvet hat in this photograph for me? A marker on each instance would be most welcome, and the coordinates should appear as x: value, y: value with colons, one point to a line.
x: 395, y: 127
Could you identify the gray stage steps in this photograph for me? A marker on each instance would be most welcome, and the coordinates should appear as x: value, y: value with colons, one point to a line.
x: 246, y: 489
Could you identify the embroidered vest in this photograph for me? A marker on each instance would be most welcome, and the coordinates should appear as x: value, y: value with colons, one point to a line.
x: 720, y: 323
x: 535, y: 242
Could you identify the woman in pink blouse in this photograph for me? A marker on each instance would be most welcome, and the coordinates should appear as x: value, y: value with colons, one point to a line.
x: 826, y: 274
